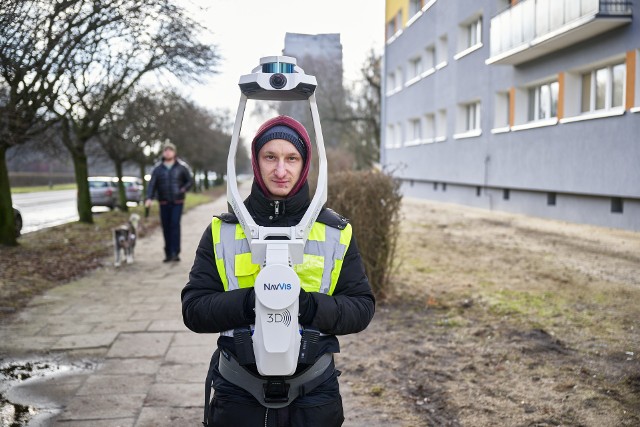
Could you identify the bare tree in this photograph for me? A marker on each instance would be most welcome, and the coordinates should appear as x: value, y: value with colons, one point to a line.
x: 201, y: 135
x: 154, y: 35
x: 365, y: 110
x: 38, y: 40
x: 121, y: 140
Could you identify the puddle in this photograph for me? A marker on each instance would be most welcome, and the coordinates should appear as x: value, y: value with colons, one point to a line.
x: 33, y: 390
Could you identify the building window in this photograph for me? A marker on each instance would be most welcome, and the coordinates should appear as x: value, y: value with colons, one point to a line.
x: 501, y: 114
x: 506, y: 194
x: 435, y: 186
x: 393, y: 26
x: 414, y: 7
x: 415, y: 67
x: 472, y: 116
x: 543, y: 101
x: 444, y: 186
x: 441, y: 124
x: 603, y: 88
x: 430, y: 57
x: 391, y: 82
x: 399, y: 79
x: 551, y: 199
x: 430, y: 127
x: 617, y: 205
x: 473, y: 33
x: 478, y: 191
x: 415, y: 126
x: 399, y: 135
x: 442, y: 51
x: 390, y: 136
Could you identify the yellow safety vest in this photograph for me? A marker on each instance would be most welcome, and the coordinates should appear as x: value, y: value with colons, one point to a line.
x: 322, y: 261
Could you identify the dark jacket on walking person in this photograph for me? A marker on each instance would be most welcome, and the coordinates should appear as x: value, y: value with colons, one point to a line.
x: 170, y: 180
x: 278, y: 199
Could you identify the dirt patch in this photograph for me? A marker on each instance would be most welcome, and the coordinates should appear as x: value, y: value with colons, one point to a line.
x: 502, y: 320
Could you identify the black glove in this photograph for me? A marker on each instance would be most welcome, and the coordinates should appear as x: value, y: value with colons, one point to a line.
x: 249, y: 305
x: 307, y: 307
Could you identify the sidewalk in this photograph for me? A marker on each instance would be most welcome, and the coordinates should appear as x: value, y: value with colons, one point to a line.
x: 127, y: 324
x: 126, y: 359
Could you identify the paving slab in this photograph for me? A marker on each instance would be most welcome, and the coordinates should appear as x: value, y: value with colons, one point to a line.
x: 70, y: 342
x: 169, y: 417
x: 142, y: 344
x: 176, y: 395
x: 182, y: 373
x: 98, y: 385
x: 89, y: 408
x: 119, y: 422
x: 199, y: 354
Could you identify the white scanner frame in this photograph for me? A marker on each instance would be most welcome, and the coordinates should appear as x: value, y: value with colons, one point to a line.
x: 298, y: 234
x: 276, y: 339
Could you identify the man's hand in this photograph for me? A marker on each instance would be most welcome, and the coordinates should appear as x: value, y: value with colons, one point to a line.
x: 147, y: 203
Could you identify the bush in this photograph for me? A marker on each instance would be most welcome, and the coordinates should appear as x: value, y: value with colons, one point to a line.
x: 371, y: 200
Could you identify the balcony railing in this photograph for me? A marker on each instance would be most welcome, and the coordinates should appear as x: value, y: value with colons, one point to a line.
x: 532, y: 28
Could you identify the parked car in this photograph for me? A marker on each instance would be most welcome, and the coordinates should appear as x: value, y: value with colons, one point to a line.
x: 17, y: 218
x: 133, y: 188
x: 103, y: 191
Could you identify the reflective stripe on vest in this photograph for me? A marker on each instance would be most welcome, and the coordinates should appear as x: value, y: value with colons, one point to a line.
x: 322, y: 261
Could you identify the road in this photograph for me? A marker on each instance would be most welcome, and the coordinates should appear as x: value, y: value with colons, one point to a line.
x: 46, y: 209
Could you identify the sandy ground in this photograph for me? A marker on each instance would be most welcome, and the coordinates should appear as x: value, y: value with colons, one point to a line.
x: 501, y: 320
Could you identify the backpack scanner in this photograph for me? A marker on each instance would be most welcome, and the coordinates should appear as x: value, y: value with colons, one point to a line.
x: 277, y: 335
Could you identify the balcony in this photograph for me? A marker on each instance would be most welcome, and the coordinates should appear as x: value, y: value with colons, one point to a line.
x: 533, y: 28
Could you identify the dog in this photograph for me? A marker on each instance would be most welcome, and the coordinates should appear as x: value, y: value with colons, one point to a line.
x: 124, y: 240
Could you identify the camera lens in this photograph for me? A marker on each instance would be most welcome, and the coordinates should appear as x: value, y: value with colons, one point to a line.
x: 278, y: 81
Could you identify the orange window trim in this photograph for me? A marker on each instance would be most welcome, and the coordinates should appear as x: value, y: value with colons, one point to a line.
x: 631, y: 80
x: 560, y: 95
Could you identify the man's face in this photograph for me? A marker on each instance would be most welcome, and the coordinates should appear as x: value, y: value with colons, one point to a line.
x: 169, y: 154
x: 280, y: 167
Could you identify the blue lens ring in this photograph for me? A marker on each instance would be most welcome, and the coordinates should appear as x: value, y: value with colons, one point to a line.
x: 277, y: 67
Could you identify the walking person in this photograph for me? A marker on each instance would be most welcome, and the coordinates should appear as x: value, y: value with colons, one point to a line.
x: 335, y: 296
x: 170, y: 180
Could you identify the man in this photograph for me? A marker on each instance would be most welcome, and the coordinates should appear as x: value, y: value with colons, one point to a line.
x: 170, y: 180
x: 334, y: 300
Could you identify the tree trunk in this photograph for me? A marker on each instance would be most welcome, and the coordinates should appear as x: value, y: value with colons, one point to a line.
x: 144, y: 182
x: 206, y: 180
x: 196, y: 183
x: 7, y: 221
x: 82, y: 173
x: 122, y: 194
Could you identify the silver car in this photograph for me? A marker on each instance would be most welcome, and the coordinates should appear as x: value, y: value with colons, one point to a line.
x: 103, y: 191
x: 133, y: 188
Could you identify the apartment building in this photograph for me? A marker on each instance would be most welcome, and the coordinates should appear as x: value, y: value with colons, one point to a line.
x: 529, y: 106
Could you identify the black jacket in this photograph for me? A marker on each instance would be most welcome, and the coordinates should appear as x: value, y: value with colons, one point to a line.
x: 170, y: 185
x: 206, y: 307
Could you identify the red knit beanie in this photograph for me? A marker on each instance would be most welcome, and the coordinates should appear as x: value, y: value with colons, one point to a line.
x: 306, y: 155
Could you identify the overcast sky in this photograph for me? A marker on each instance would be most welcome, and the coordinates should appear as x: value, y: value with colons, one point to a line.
x: 246, y: 30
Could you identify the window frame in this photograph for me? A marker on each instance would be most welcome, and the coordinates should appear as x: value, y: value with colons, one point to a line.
x: 534, y: 109
x: 417, y: 5
x: 472, y: 117
x: 609, y: 88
